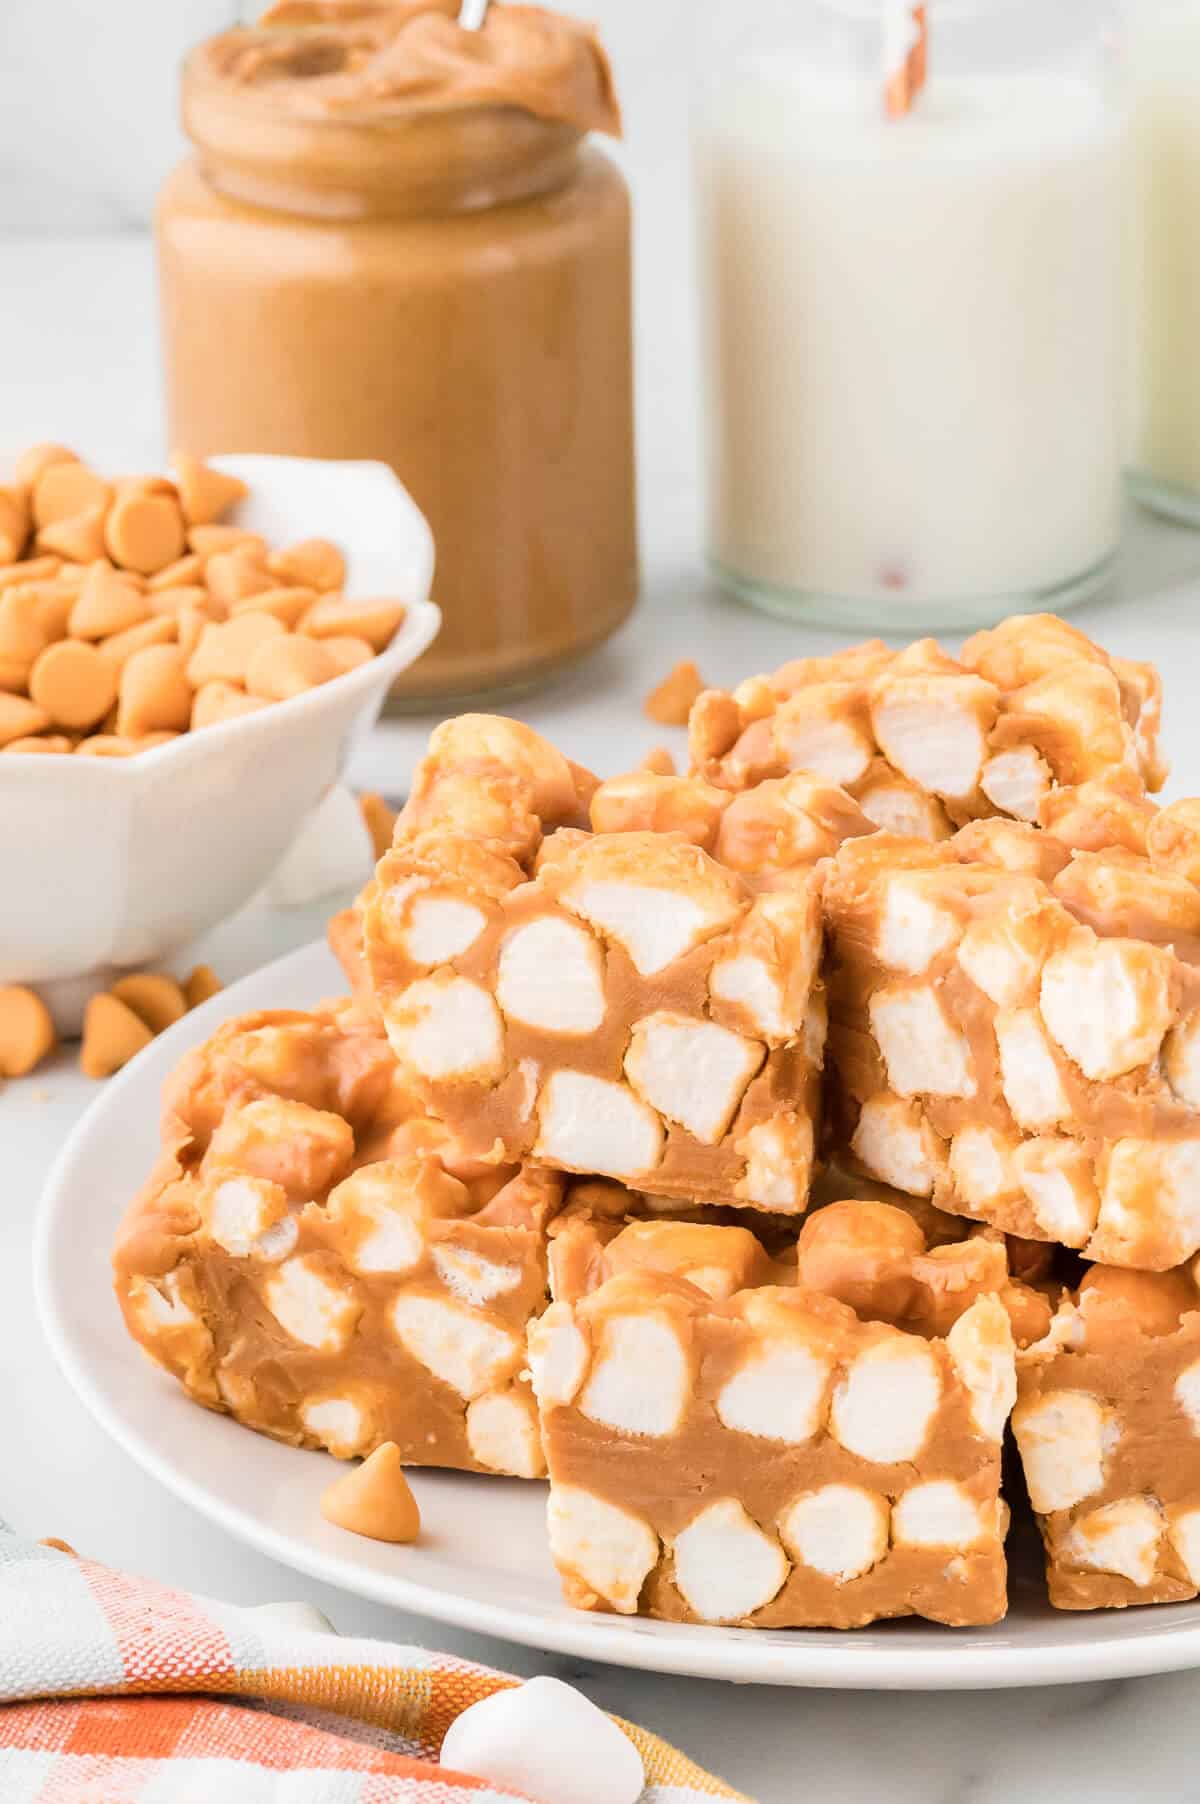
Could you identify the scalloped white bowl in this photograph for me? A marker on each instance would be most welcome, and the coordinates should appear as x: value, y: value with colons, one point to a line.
x: 112, y: 863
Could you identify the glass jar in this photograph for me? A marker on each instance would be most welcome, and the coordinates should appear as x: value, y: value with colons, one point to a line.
x: 445, y: 290
x: 1164, y: 255
x: 911, y: 325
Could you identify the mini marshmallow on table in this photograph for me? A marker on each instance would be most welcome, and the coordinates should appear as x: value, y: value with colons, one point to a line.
x: 550, y: 1741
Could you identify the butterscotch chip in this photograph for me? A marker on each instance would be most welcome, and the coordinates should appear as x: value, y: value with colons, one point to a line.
x: 112, y: 1035
x: 107, y: 745
x: 14, y: 674
x: 29, y: 570
x: 108, y: 603
x: 171, y: 601
x: 74, y: 682
x: 149, y: 741
x: 286, y: 604
x: 154, y: 999
x: 659, y: 762
x: 348, y: 653
x: 19, y: 718
x: 200, y: 984
x: 40, y: 742
x: 53, y: 604
x: 161, y: 629
x: 226, y: 648
x: 205, y: 493
x: 145, y: 532
x: 80, y: 538
x: 64, y: 490
x: 26, y: 1031
x: 671, y: 702
x: 33, y: 463
x: 375, y: 621
x: 214, y: 541
x: 58, y: 1546
x: 155, y: 693
x: 22, y: 634
x: 233, y: 575
x: 180, y: 575
x: 375, y: 1499
x: 315, y: 563
x: 380, y: 822
x: 190, y: 622
x: 288, y: 666
x: 218, y: 701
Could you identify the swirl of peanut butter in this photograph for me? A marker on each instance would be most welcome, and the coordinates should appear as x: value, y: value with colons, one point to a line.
x: 367, y: 58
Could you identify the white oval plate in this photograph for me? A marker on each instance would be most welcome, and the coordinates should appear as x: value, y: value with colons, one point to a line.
x: 482, y: 1564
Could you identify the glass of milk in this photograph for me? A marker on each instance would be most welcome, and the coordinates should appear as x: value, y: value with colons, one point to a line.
x: 911, y: 326
x: 1164, y: 255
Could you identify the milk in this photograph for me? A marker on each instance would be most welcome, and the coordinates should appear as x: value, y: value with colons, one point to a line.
x: 911, y: 339
x: 1164, y: 249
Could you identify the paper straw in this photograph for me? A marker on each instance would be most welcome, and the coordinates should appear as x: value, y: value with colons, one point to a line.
x: 906, y: 54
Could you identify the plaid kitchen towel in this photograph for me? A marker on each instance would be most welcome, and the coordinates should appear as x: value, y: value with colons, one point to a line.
x: 118, y: 1690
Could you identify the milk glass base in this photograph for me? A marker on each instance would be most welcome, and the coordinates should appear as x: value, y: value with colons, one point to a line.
x: 1167, y: 498
x: 815, y: 607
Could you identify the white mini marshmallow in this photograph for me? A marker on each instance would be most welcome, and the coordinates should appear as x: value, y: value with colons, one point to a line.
x: 434, y: 928
x: 831, y: 747
x: 1002, y: 955
x: 693, y: 1072
x: 655, y: 926
x: 465, y: 1352
x: 1057, y: 1177
x: 309, y: 1307
x: 1181, y: 1060
x: 726, y: 1568
x: 1187, y: 1394
x: 983, y: 1353
x: 241, y: 1210
x: 884, y: 1406
x: 589, y: 1124
x: 641, y: 1376
x: 779, y: 1160
x: 748, y: 983
x: 370, y: 1199
x: 930, y: 729
x: 606, y: 1548
x: 913, y: 930
x: 545, y: 1740
x: 1063, y: 1438
x: 1108, y: 1004
x: 923, y: 1052
x: 473, y: 1278
x: 898, y: 808
x: 558, y: 1356
x: 1122, y: 1538
x: 840, y: 1530
x: 1150, y: 1202
x: 981, y: 1167
x: 337, y: 1422
x: 938, y: 1514
x: 1183, y: 1531
x: 778, y: 1394
x: 551, y: 976
x: 1015, y: 782
x: 502, y: 1433
x: 158, y: 1302
x: 446, y: 1027
x: 895, y: 1144
x: 1029, y: 1076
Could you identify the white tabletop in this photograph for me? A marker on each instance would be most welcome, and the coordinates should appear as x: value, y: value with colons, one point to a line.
x: 77, y: 353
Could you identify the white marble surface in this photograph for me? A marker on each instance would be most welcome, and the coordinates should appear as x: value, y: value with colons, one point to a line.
x: 76, y: 350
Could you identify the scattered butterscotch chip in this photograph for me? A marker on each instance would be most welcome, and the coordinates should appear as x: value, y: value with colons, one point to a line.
x: 107, y: 603
x: 347, y: 652
x: 671, y: 702
x: 145, y: 532
x: 375, y: 1499
x: 26, y: 1031
x: 112, y: 1034
x: 286, y: 604
x: 658, y: 762
x: 218, y: 701
x: 154, y: 999
x: 20, y: 717
x: 66, y: 489
x: 380, y: 822
x: 74, y: 682
x: 200, y: 985
x: 155, y: 694
x: 205, y: 493
x: 32, y: 463
x: 314, y: 563
x: 58, y: 1546
x: 376, y: 621
x: 160, y: 629
x: 287, y: 666
x: 80, y: 538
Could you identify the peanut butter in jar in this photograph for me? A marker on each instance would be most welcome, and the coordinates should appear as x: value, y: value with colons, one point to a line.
x: 396, y: 240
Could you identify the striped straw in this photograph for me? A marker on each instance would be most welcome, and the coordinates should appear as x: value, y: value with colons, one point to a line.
x: 906, y: 54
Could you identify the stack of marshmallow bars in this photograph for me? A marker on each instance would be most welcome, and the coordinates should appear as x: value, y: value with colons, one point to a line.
x: 748, y: 1151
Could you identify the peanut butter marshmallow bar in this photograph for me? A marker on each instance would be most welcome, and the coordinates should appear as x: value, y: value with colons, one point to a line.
x: 619, y: 979
x: 1023, y: 1052
x: 926, y: 742
x: 813, y: 1441
x: 318, y: 1261
x: 1108, y: 1428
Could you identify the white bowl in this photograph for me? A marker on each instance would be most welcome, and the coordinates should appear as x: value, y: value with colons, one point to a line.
x: 112, y: 863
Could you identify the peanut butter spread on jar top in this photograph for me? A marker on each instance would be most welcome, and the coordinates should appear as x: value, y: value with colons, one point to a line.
x: 396, y: 241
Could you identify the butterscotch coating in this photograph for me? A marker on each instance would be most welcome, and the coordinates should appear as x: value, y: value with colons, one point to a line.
x: 727, y: 1446
x: 616, y: 1003
x: 925, y: 742
x: 1014, y: 1051
x: 303, y: 1258
x: 1108, y: 1428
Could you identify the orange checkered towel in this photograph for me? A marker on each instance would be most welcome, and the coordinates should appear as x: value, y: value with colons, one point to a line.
x: 118, y: 1690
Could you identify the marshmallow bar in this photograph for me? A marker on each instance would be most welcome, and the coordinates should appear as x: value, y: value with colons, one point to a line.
x: 641, y: 1000
x: 1108, y: 1428
x: 811, y: 1441
x: 1022, y: 1052
x: 315, y: 1259
x: 925, y: 742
